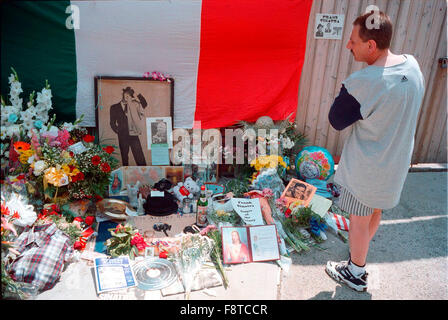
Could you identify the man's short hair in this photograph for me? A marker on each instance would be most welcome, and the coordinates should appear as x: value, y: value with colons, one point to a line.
x: 379, y: 28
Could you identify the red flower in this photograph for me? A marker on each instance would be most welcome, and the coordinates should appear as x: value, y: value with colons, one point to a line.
x: 80, y: 176
x: 109, y: 149
x: 79, y: 245
x: 96, y: 160
x: 71, y: 141
x: 163, y: 254
x: 288, y: 213
x: 90, y: 220
x: 88, y: 138
x: 98, y: 198
x: 105, y: 167
x: 21, y: 177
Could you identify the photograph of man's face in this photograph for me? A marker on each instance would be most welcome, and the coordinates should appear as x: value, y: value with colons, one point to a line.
x: 159, y: 132
x: 299, y: 190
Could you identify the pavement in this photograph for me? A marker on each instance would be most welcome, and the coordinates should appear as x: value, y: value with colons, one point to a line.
x: 407, y: 260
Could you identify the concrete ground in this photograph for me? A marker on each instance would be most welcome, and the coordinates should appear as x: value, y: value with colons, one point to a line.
x: 408, y: 260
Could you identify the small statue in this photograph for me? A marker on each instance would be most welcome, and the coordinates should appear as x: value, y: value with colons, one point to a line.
x: 132, y: 194
x: 141, y: 202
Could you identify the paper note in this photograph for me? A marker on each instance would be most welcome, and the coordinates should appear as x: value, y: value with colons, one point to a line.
x: 320, y: 205
x: 160, y: 154
x: 249, y: 210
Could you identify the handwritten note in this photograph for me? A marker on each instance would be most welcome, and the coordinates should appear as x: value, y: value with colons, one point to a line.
x: 249, y: 210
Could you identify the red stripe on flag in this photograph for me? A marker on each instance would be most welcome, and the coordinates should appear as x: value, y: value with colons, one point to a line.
x: 337, y: 221
x: 251, y: 58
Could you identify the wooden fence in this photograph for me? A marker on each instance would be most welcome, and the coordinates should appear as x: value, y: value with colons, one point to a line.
x: 419, y: 29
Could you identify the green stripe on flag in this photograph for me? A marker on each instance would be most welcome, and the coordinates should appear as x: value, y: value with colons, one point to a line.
x: 39, y: 46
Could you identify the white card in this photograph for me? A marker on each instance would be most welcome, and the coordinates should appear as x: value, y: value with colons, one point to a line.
x: 157, y: 193
x: 249, y: 210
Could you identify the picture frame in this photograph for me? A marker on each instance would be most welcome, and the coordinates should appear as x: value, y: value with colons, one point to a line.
x: 202, y: 173
x: 160, y: 131
x: 247, y: 244
x: 298, y: 190
x: 122, y: 105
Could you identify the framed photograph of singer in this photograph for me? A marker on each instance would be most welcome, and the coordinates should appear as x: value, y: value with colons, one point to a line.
x: 122, y: 105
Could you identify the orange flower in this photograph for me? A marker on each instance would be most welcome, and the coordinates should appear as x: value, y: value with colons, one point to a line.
x: 21, y: 146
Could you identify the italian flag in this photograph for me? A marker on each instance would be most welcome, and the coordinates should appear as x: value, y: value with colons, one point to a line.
x: 231, y: 60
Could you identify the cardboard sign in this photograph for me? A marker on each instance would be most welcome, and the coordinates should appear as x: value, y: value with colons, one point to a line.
x: 249, y: 210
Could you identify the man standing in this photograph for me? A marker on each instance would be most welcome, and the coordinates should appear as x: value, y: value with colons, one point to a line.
x: 124, y: 117
x: 381, y: 104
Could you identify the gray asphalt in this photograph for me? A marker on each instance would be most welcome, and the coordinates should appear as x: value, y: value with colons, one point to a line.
x: 408, y: 257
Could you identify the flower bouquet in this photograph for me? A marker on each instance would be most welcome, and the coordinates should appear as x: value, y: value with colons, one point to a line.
x: 125, y: 240
x: 194, y: 250
x: 52, y: 162
x: 213, y: 233
x: 297, y: 220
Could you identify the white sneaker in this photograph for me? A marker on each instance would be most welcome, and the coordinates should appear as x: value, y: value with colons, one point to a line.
x: 340, y: 272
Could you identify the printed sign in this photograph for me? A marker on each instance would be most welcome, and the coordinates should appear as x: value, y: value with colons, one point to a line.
x: 249, y: 210
x: 329, y: 26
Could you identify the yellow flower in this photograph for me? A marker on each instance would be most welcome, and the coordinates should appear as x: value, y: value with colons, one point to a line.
x: 23, y: 158
x: 65, y: 154
x: 56, y: 177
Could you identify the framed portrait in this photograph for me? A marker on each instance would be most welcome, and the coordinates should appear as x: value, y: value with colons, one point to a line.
x: 122, y: 106
x: 298, y: 190
x: 235, y: 245
x: 250, y: 244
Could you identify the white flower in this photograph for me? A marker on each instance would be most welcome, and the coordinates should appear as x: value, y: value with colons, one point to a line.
x: 28, y: 125
x: 12, y: 130
x: 11, y: 78
x: 27, y: 214
x: 68, y: 126
x: 26, y: 115
x: 287, y: 143
x: 46, y: 94
x: 39, y: 167
x: 5, y: 113
x: 16, y: 102
x: 30, y: 159
x: 3, y: 132
x: 53, y: 131
x: 16, y: 88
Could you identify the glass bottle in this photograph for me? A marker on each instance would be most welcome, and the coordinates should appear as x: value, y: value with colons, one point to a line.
x: 202, y: 205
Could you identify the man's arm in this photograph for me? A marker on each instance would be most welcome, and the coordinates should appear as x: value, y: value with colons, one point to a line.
x: 345, y: 110
x: 113, y: 120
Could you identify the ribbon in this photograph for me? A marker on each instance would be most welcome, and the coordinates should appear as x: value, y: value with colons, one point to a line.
x: 317, y: 227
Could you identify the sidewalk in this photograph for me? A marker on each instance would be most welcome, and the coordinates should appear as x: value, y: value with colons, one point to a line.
x: 408, y: 260
x: 408, y: 257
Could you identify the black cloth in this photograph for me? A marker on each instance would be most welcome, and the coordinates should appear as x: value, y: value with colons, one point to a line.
x: 161, y: 206
x: 345, y: 110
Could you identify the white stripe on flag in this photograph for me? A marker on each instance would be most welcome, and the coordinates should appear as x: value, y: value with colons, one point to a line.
x: 128, y: 38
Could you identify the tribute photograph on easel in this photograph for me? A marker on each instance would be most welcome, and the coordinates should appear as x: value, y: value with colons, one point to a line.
x: 122, y: 106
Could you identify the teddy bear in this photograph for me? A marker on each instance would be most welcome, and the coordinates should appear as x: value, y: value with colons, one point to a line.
x: 192, y: 186
x: 186, y: 189
x: 181, y: 192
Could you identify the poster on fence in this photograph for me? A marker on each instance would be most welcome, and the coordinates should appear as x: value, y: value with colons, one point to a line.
x: 329, y: 26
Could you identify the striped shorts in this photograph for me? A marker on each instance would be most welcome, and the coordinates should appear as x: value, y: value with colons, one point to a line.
x: 348, y: 203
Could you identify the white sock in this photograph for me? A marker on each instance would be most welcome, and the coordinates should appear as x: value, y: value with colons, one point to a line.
x: 357, y: 271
